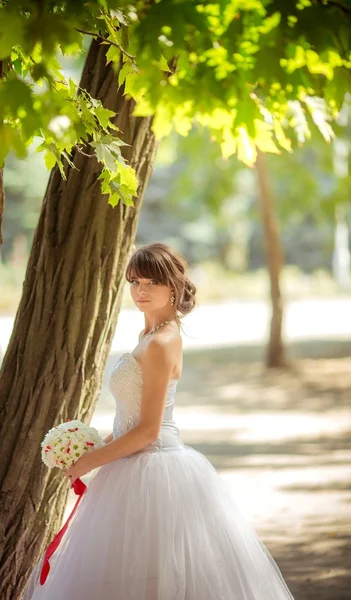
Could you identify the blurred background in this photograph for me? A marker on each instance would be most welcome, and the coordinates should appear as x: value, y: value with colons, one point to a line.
x: 208, y: 208
x: 280, y: 437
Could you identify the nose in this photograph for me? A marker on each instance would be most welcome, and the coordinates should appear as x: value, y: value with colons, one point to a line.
x: 141, y: 291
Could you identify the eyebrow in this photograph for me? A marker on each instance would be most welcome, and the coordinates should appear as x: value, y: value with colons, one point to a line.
x: 147, y: 278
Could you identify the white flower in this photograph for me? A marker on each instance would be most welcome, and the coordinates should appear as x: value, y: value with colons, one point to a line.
x: 64, y: 444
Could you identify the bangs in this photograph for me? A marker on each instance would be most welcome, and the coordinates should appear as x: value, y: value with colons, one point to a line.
x: 144, y: 265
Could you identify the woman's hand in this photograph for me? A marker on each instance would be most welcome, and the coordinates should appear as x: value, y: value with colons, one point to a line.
x: 82, y: 466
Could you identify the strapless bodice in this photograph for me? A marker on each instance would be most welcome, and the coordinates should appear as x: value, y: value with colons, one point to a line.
x: 126, y: 383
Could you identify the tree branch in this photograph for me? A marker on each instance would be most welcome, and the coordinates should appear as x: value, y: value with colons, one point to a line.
x: 84, y: 153
x: 107, y: 41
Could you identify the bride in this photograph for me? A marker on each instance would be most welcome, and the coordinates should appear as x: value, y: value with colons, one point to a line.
x: 156, y: 522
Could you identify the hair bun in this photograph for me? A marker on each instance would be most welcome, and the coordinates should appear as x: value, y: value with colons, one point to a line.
x: 188, y: 301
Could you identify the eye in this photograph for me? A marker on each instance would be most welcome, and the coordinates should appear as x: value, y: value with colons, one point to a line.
x: 134, y: 282
x: 153, y: 282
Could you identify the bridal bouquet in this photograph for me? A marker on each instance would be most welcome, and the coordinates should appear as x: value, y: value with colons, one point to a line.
x: 61, y: 447
x: 64, y: 444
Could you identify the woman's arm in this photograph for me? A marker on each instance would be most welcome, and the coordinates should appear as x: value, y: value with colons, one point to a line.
x: 108, y: 439
x: 132, y: 441
x: 157, y: 366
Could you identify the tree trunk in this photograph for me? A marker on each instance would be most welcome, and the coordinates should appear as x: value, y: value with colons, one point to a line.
x: 275, y: 356
x: 53, y: 367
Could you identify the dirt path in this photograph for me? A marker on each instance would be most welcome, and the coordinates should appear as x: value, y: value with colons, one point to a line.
x: 282, y: 443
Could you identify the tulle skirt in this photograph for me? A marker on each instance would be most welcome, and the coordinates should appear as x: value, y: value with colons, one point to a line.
x: 159, y: 525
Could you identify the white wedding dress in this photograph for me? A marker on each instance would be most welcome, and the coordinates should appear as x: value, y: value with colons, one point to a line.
x: 159, y: 524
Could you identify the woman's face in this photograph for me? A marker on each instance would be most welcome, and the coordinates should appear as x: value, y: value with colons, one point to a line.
x: 148, y: 295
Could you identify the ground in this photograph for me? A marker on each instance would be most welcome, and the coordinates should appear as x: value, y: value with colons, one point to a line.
x: 281, y: 440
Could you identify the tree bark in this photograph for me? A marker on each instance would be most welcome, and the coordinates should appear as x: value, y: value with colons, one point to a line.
x: 53, y: 367
x: 275, y: 355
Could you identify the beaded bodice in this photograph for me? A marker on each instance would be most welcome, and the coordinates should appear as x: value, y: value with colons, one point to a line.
x: 125, y: 383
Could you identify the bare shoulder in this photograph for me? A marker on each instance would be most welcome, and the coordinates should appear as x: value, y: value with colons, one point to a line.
x: 165, y: 343
x: 164, y: 349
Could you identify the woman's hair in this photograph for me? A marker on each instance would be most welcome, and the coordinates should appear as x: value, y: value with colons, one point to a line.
x: 159, y: 262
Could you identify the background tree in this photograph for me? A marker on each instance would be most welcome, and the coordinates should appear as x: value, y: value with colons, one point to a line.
x: 249, y: 71
x: 275, y: 260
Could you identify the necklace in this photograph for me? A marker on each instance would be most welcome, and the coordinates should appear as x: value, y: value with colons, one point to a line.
x: 156, y: 328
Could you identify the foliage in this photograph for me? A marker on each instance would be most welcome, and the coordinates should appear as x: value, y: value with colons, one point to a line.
x: 256, y: 72
x: 194, y: 195
x: 37, y: 100
x: 249, y: 70
x: 306, y: 181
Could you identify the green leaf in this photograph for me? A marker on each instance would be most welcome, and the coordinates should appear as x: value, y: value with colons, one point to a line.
x: 113, y: 54
x: 50, y: 159
x: 10, y: 139
x: 126, y: 197
x: 11, y: 32
x: 104, y: 115
x: 120, y: 16
x: 319, y: 113
x: 163, y: 64
x: 264, y: 137
x: 283, y: 141
x: 104, y: 155
x: 72, y: 87
x: 114, y: 199
x: 162, y: 124
x: 132, y: 86
x: 124, y: 72
x: 183, y: 117
x: 117, y: 144
x: 128, y: 179
x: 229, y: 143
x: 247, y: 152
x: 143, y: 108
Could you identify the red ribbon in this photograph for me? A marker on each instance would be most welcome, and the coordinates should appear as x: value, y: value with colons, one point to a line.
x: 79, y: 488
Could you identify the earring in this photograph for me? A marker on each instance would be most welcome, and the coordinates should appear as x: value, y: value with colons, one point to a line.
x: 172, y: 299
